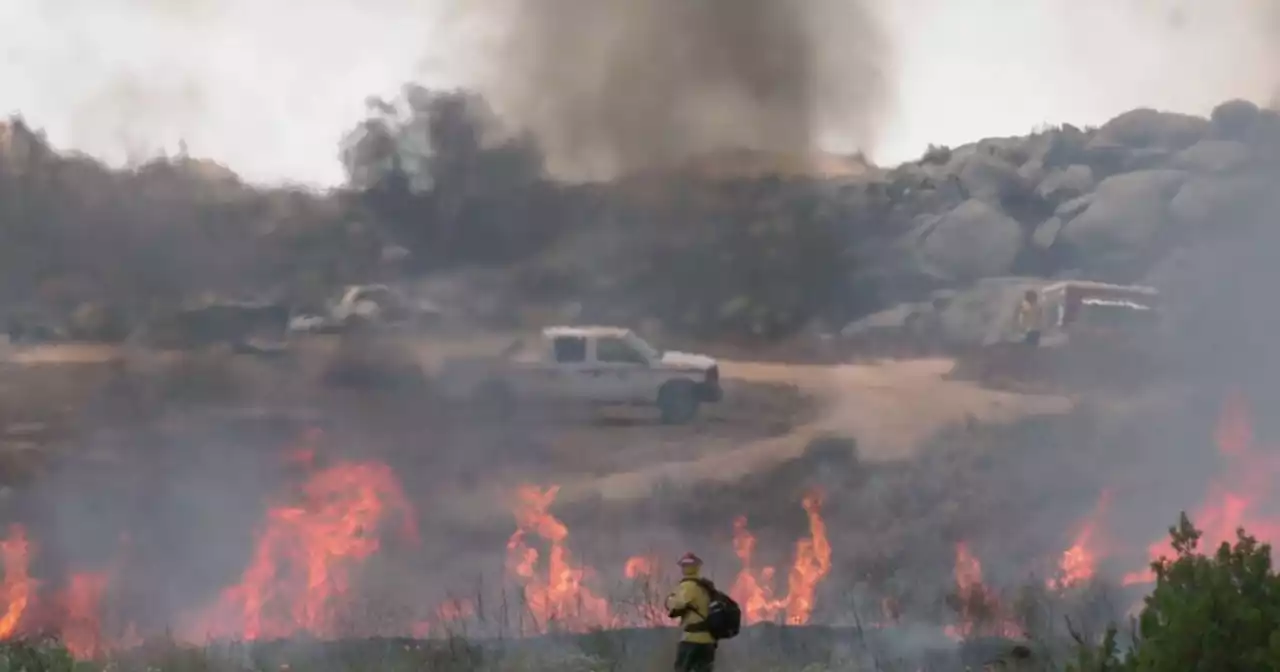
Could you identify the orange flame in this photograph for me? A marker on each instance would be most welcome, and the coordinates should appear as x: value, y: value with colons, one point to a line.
x: 980, y: 610
x: 301, y: 570
x: 558, y: 599
x: 753, y: 589
x: 651, y: 610
x: 813, y: 561
x: 1079, y: 562
x: 81, y: 630
x: 17, y: 587
x: 1232, y: 502
x: 454, y: 610
x: 639, y: 567
x: 449, y: 613
x: 968, y: 571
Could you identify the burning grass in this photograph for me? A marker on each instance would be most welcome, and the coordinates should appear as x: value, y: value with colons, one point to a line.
x: 301, y: 568
x: 322, y: 546
x: 304, y: 576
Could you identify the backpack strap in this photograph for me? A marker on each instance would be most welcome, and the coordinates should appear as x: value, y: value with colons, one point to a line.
x: 703, y: 583
x: 710, y: 590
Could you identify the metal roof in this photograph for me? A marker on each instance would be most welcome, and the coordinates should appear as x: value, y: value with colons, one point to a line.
x: 1091, y: 284
x: 585, y: 331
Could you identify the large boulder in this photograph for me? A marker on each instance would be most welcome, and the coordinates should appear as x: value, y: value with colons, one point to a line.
x: 1064, y: 184
x: 893, y: 327
x: 1058, y: 148
x: 974, y: 240
x: 1213, y: 156
x: 1126, y: 213
x: 1146, y: 158
x: 892, y: 270
x: 1072, y: 208
x: 1215, y: 202
x: 1235, y: 119
x: 1031, y: 172
x: 1146, y: 128
x: 1046, y: 234
x: 988, y: 176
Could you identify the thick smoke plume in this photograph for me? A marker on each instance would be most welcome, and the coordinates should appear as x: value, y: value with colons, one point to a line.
x: 615, y: 85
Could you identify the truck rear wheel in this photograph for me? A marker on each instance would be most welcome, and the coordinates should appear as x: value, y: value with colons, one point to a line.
x: 678, y: 402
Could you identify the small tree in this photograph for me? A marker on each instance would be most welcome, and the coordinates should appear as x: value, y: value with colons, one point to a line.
x: 1218, y: 613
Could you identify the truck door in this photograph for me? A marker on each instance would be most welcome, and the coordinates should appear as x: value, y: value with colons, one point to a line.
x: 567, y: 376
x: 622, y: 372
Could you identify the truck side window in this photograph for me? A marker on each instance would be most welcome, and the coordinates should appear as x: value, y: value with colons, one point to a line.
x: 570, y: 349
x: 617, y: 351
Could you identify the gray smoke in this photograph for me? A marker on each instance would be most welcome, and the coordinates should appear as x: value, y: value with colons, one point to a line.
x: 1248, y: 31
x: 1271, y: 24
x: 616, y: 85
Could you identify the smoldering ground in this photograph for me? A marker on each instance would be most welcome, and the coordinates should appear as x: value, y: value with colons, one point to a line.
x: 617, y: 86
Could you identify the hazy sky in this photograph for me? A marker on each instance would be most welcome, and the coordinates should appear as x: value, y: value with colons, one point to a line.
x: 268, y: 86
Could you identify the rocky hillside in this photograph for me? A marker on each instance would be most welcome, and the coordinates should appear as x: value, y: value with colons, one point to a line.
x: 753, y: 255
x: 1107, y: 202
x: 762, y: 254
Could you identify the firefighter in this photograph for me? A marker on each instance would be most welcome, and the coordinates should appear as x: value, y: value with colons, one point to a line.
x: 1030, y: 318
x: 689, y: 602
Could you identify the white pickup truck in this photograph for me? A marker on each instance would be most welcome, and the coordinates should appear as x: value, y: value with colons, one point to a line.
x: 599, y: 366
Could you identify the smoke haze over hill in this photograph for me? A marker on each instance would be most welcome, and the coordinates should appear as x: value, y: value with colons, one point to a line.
x: 127, y: 77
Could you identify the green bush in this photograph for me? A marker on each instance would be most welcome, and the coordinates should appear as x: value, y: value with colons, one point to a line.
x: 22, y: 656
x: 1218, y: 612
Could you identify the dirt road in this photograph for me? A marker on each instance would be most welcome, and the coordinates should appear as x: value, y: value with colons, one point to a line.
x: 890, y: 407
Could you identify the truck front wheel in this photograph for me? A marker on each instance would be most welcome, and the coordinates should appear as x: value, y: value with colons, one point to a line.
x: 678, y: 402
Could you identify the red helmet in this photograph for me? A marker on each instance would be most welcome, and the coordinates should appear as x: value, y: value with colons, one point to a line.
x: 688, y: 560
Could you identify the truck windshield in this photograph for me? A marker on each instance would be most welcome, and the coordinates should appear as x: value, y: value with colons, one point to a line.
x: 650, y: 353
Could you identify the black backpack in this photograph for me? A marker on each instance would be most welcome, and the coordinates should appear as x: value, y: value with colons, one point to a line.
x: 723, y: 619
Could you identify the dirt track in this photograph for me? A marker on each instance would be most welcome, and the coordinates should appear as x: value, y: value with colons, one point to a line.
x: 890, y: 407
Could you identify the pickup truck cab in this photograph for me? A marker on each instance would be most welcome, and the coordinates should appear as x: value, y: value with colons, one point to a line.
x: 599, y: 366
